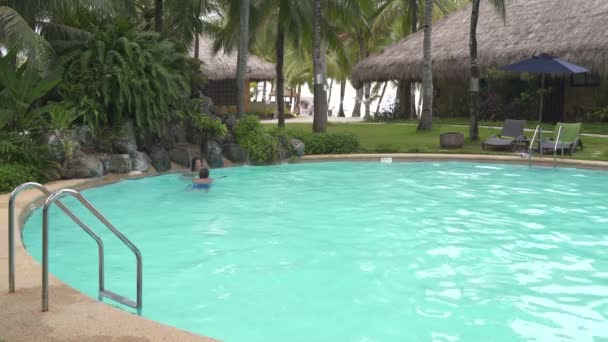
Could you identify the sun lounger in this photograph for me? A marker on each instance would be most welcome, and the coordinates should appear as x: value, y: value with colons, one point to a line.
x: 512, y: 136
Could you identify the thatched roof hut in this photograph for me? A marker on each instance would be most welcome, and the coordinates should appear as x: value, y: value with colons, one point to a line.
x: 575, y: 30
x: 222, y: 65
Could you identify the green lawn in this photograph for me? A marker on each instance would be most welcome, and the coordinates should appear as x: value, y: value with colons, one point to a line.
x: 589, y: 127
x: 391, y: 138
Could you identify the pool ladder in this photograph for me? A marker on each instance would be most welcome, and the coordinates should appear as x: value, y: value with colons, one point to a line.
x: 54, y: 198
x: 539, y: 131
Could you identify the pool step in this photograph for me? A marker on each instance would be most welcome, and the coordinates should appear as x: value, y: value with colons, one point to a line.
x: 118, y: 298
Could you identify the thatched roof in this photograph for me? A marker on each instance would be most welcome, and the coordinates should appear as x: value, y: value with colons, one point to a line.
x: 222, y: 65
x: 574, y: 30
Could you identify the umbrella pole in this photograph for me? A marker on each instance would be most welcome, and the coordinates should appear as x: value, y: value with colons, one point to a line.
x: 542, y: 98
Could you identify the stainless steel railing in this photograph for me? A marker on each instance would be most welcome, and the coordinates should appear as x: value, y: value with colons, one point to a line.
x: 45, y: 245
x: 54, y: 198
x: 11, y: 232
x: 560, y: 132
x: 538, y: 131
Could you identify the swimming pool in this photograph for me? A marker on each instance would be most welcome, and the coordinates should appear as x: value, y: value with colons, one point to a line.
x: 355, y: 252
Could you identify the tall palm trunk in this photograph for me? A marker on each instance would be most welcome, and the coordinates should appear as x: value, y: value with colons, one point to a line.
x: 196, y: 46
x: 158, y: 16
x: 426, y: 119
x: 474, y: 91
x: 298, y: 95
x: 360, y: 56
x: 331, y: 85
x: 241, y: 63
x: 280, y: 88
x: 413, y: 29
x: 342, y: 93
x: 264, y: 92
x: 368, y: 90
x: 320, y: 97
x: 381, y: 97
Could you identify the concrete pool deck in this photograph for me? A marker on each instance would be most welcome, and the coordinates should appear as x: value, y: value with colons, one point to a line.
x: 74, y: 316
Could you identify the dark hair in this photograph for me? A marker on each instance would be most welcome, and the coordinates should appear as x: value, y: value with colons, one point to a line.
x: 203, y: 173
x: 193, y: 165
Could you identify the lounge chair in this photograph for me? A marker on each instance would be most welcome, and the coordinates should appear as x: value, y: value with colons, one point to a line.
x: 512, y: 136
x: 569, y: 141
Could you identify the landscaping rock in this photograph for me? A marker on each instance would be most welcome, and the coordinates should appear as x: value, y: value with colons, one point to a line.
x: 180, y: 155
x: 82, y: 166
x: 286, y: 153
x: 213, y: 154
x: 234, y: 153
x: 140, y: 161
x: 127, y: 143
x: 160, y: 158
x: 57, y: 152
x: 298, y: 147
x: 119, y: 163
x: 84, y: 136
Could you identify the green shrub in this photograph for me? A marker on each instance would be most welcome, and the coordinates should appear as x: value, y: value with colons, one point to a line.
x: 12, y: 175
x: 322, y: 143
x: 212, y: 129
x: 261, y: 147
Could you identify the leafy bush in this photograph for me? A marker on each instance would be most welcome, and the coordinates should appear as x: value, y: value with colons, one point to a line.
x: 12, y: 175
x: 261, y: 147
x: 383, y: 116
x: 144, y: 76
x: 322, y: 143
x: 212, y: 129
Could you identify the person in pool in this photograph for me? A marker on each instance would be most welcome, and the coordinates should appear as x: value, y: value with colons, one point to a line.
x: 195, y: 167
x: 203, y: 182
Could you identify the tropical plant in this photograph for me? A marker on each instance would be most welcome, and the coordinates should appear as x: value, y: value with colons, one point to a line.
x: 426, y: 118
x: 211, y: 128
x: 25, y: 25
x: 21, y: 88
x: 145, y: 77
x: 261, y: 147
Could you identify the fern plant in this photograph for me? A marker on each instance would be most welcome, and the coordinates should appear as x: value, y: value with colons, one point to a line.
x: 128, y: 72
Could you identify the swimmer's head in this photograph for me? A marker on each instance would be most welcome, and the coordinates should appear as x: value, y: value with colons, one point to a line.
x: 203, y: 173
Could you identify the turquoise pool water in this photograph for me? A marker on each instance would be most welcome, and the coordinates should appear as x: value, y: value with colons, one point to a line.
x: 356, y: 252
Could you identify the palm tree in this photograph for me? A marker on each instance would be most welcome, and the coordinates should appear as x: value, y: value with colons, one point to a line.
x: 401, y: 16
x: 320, y: 96
x: 426, y: 119
x: 500, y: 6
x: 158, y: 16
x: 241, y: 65
x: 23, y: 24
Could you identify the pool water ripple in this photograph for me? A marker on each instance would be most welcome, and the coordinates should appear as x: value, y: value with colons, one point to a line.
x: 356, y: 252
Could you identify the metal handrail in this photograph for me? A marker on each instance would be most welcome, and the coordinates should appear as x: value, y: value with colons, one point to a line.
x: 11, y: 232
x: 538, y: 131
x: 54, y: 197
x: 559, y: 134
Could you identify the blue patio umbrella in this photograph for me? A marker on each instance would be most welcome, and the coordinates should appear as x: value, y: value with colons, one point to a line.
x: 545, y: 64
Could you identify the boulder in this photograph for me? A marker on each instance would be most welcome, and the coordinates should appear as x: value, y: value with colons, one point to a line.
x: 172, y: 135
x: 180, y: 155
x: 140, y: 161
x: 297, y: 147
x: 82, y: 166
x: 160, y: 158
x: 127, y: 142
x: 234, y: 153
x: 119, y: 163
x: 84, y: 136
x: 56, y: 149
x: 213, y: 154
